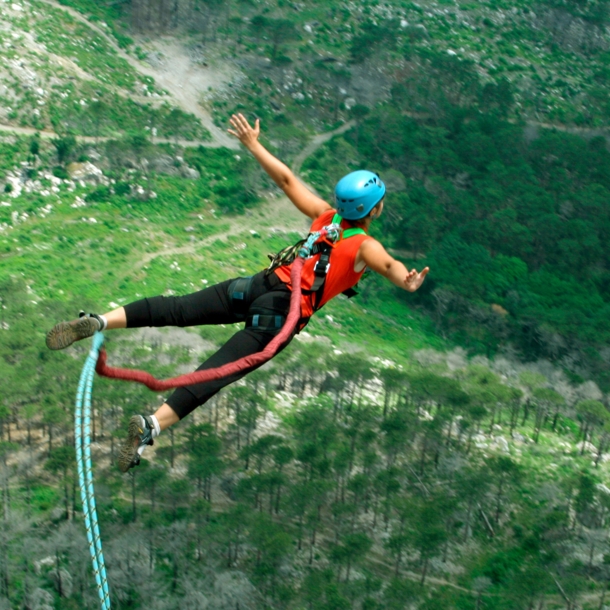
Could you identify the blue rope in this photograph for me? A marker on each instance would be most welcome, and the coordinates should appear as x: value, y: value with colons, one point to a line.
x: 82, y: 438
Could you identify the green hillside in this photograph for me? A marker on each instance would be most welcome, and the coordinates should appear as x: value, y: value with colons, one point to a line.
x: 446, y: 449
x: 487, y: 119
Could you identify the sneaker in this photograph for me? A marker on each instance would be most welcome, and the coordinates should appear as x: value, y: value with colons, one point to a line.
x: 139, y: 434
x: 66, y: 333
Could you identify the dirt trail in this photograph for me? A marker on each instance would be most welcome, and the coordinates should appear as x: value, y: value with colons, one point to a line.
x: 184, y: 81
x: 49, y: 135
x: 316, y: 142
x: 275, y: 214
x: 188, y: 82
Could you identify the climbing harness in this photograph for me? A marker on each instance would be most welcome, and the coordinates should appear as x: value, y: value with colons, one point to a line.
x: 312, y: 244
x: 307, y: 248
x: 324, y: 248
x: 82, y: 441
x: 265, y: 321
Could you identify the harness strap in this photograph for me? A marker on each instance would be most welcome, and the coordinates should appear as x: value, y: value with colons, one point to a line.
x: 321, y: 269
x: 239, y: 292
x: 265, y: 321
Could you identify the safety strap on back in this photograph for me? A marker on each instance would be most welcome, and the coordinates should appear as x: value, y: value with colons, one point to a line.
x: 322, y: 265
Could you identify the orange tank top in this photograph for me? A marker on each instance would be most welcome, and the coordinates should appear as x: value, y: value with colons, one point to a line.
x: 341, y: 274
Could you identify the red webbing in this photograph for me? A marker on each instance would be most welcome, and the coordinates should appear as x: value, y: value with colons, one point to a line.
x: 158, y: 385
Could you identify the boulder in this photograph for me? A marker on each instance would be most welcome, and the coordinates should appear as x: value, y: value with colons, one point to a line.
x: 86, y: 172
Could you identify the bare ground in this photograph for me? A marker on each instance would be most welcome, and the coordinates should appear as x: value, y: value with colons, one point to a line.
x: 185, y: 81
x: 276, y: 214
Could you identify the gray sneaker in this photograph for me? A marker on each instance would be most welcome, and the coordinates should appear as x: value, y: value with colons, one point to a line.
x: 139, y: 434
x: 65, y: 334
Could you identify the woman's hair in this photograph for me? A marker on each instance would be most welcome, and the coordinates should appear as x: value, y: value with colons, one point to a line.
x: 362, y: 221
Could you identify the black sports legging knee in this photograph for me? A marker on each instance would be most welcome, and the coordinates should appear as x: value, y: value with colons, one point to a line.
x: 214, y: 305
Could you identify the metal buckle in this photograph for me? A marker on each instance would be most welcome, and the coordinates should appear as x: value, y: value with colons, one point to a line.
x: 321, y: 271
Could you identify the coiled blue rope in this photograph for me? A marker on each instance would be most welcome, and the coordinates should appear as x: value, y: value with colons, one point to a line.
x: 82, y: 439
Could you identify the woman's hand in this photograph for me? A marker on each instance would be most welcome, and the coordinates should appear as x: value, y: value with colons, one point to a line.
x: 247, y: 135
x: 414, y: 279
x: 375, y: 257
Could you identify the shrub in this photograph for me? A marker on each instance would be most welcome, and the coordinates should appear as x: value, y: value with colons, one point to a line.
x: 60, y: 172
x: 122, y: 188
x: 101, y: 193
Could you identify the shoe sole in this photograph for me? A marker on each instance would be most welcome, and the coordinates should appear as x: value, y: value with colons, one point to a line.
x: 65, y: 334
x: 128, y: 455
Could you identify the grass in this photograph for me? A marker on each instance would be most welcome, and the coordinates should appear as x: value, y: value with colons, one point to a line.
x: 482, y: 32
x: 63, y: 35
x: 82, y: 85
x: 110, y: 268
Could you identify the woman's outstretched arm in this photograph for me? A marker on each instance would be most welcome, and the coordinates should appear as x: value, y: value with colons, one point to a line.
x: 376, y: 258
x: 307, y: 202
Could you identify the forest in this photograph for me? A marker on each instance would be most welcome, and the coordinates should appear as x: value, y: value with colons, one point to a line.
x: 326, y: 481
x: 447, y: 449
x: 515, y: 231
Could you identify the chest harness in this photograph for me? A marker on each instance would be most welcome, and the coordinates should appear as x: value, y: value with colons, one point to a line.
x: 316, y: 243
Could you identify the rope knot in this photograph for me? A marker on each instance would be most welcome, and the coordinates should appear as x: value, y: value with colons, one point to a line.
x: 331, y: 232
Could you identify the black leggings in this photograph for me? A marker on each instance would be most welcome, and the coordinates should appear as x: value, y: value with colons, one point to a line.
x: 214, y: 305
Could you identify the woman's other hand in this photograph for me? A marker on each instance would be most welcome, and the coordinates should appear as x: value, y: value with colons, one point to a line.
x: 414, y: 279
x: 242, y: 130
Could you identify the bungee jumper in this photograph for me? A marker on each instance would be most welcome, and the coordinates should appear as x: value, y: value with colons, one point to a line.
x: 329, y: 262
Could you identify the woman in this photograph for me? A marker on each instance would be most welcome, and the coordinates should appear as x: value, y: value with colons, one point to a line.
x: 262, y: 301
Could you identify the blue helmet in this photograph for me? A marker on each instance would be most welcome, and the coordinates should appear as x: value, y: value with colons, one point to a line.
x: 358, y: 193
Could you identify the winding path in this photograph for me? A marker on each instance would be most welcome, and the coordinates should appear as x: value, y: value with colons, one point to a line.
x: 177, y: 79
x: 276, y: 214
x: 49, y: 135
x: 186, y: 84
x: 183, y: 80
x: 316, y: 142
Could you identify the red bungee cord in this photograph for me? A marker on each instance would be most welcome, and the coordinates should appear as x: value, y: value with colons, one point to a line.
x: 158, y: 385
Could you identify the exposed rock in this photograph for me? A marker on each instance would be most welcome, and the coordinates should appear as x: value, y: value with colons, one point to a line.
x: 63, y: 582
x: 234, y: 590
x: 501, y: 443
x: 15, y: 183
x: 86, y: 173
x: 394, y: 180
x: 189, y: 172
x: 589, y: 390
x: 588, y: 447
x: 499, y: 309
x: 165, y: 164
